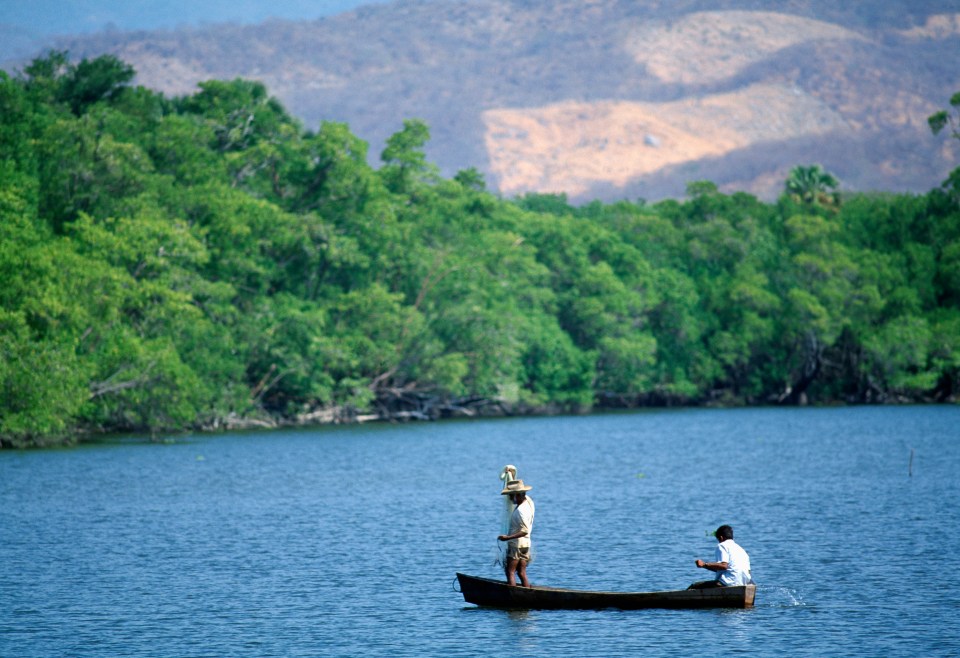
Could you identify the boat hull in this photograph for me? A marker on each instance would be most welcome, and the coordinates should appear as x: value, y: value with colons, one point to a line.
x: 497, y: 594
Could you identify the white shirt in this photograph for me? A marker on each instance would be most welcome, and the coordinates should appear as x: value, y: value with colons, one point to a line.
x: 522, y: 520
x: 738, y: 564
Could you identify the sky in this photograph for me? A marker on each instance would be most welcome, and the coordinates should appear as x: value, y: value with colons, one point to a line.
x: 26, y: 25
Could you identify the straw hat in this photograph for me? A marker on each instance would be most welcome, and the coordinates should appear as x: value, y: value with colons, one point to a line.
x: 515, y: 486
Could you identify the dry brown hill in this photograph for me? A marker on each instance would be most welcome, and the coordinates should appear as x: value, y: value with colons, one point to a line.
x: 606, y: 98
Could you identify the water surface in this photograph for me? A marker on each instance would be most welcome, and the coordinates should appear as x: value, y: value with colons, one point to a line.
x: 345, y: 540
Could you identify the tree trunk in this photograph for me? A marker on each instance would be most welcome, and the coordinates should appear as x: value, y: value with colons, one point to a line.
x: 796, y: 394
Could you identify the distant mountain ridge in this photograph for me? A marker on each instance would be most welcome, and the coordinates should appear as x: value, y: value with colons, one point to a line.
x: 604, y: 98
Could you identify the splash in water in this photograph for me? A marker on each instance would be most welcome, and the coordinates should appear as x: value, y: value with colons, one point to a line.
x: 778, y: 597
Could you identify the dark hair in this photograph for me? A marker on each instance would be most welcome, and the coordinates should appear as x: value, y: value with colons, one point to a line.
x: 724, y: 531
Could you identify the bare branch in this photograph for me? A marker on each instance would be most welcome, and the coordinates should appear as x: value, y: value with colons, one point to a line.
x: 109, y: 385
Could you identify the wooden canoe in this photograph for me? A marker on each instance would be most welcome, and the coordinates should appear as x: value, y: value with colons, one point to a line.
x: 497, y: 594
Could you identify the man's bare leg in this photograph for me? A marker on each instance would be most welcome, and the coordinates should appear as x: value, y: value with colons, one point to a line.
x: 510, y: 568
x: 522, y: 572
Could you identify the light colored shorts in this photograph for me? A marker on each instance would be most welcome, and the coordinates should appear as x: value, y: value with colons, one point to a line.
x: 518, y: 553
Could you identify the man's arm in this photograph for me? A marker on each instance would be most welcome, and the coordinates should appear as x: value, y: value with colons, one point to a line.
x: 712, y: 566
x: 516, y: 535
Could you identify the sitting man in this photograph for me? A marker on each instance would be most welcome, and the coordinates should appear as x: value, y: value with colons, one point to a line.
x: 732, y: 563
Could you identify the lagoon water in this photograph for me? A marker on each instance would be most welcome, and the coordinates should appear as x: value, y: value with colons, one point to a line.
x: 344, y: 541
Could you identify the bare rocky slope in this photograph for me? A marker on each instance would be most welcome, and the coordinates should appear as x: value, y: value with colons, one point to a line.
x: 605, y: 99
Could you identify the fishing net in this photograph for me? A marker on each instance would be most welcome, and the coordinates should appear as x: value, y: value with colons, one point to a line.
x: 507, y: 473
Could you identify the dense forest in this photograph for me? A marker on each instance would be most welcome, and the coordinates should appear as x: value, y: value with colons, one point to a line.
x: 205, y: 261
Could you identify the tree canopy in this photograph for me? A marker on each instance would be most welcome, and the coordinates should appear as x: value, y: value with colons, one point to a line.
x: 205, y: 262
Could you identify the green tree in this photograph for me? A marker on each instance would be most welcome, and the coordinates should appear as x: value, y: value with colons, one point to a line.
x: 812, y: 185
x: 949, y: 119
x: 93, y: 80
x: 404, y: 161
x: 42, y: 382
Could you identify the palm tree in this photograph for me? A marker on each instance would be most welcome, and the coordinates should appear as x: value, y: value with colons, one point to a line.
x: 813, y: 185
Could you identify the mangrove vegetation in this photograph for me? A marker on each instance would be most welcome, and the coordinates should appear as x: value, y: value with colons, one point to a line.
x: 205, y: 261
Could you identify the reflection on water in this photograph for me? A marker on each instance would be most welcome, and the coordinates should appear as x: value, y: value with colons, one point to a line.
x: 523, y: 621
x: 523, y: 631
x: 736, y: 626
x: 329, y: 542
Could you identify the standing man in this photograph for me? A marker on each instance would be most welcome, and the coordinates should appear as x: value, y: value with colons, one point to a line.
x: 521, y: 525
x: 732, y: 564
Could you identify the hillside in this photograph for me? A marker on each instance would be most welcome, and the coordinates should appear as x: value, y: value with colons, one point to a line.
x: 605, y: 98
